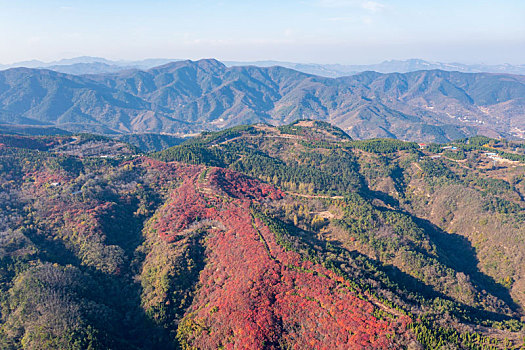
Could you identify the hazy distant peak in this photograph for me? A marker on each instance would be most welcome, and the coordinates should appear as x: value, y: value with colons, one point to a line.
x: 205, y: 64
x: 97, y: 65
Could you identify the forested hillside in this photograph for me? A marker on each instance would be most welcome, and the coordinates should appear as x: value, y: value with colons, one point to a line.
x: 291, y: 237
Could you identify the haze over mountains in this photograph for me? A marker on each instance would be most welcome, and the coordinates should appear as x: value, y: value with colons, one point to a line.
x: 191, y: 96
x: 89, y: 65
x: 390, y: 66
x: 95, y: 65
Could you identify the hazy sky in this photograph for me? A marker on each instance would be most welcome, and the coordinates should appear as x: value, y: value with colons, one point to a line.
x: 323, y: 31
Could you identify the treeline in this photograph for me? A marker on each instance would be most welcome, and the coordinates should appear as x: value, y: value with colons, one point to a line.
x: 433, y: 336
x: 383, y: 146
x: 332, y: 172
x: 151, y: 142
x: 317, y: 131
x: 192, y: 154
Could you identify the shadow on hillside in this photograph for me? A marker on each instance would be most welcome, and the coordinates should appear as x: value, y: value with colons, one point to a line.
x: 454, y: 251
x: 125, y: 229
x: 52, y: 250
x: 407, y: 288
x: 457, y: 252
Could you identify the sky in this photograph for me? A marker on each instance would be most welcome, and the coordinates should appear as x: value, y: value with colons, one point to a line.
x: 308, y: 31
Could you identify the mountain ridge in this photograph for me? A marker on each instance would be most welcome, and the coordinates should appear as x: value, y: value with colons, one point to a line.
x: 88, y: 65
x: 190, y: 96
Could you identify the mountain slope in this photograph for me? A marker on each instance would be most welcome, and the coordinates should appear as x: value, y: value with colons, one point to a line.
x: 260, y: 237
x: 399, y: 175
x: 186, y: 96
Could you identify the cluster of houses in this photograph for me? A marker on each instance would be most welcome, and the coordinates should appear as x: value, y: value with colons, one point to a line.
x: 494, y: 156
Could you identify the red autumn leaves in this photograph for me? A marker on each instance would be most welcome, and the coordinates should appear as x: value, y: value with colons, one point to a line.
x: 253, y: 293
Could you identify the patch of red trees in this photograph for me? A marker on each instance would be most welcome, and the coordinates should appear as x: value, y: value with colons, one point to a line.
x: 237, y: 185
x: 253, y: 293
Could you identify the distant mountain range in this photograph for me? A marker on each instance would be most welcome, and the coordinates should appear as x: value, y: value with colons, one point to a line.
x: 392, y: 66
x: 89, y: 65
x: 191, y: 96
x: 97, y: 65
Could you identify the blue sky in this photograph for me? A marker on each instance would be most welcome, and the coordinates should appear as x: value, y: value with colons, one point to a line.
x: 323, y: 31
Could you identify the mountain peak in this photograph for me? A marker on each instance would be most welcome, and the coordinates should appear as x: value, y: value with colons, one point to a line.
x: 210, y: 64
x: 209, y: 61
